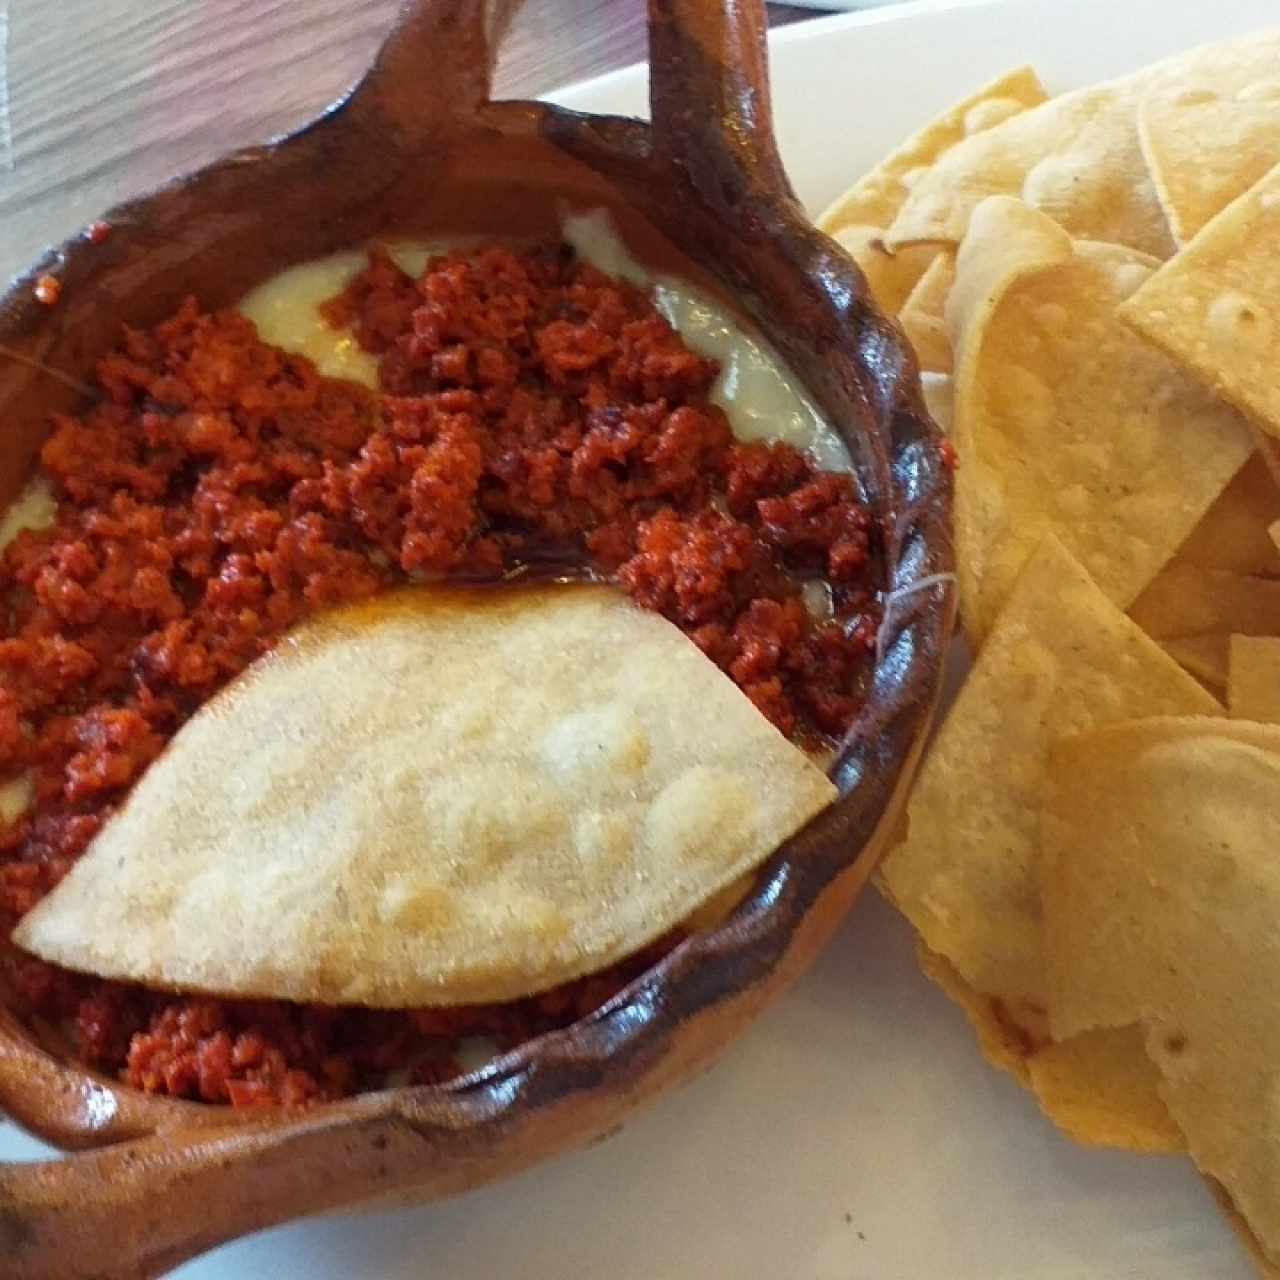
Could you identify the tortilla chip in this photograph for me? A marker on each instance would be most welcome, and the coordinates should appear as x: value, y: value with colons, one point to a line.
x: 1269, y: 447
x: 1003, y: 1043
x: 1252, y: 1245
x: 1029, y: 244
x: 1066, y: 423
x: 1204, y: 657
x: 1215, y: 309
x: 1099, y: 1088
x: 859, y: 217
x: 1186, y: 600
x: 923, y: 315
x: 890, y: 276
x: 1076, y: 158
x: 439, y: 797
x: 1060, y: 658
x: 1161, y: 895
x: 1212, y: 131
x: 1253, y: 685
x: 878, y: 195
x: 1233, y: 536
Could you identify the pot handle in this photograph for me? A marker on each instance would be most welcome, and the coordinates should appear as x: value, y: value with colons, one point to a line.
x: 138, y: 1209
x: 709, y: 97
x: 425, y: 72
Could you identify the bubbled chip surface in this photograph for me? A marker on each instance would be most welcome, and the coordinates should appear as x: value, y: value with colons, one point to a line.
x: 439, y: 797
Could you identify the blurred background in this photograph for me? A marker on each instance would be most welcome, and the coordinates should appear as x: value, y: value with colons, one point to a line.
x: 100, y: 99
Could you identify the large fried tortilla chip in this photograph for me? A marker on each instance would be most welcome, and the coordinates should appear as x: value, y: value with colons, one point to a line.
x: 1212, y: 130
x: 1215, y: 308
x: 1253, y: 684
x: 441, y: 797
x: 1076, y: 158
x: 1066, y: 422
x: 859, y: 217
x: 1059, y: 659
x: 1161, y: 894
x: 1099, y: 1087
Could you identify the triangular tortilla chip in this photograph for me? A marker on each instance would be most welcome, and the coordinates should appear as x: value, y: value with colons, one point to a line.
x: 1060, y: 658
x: 1212, y: 130
x: 1186, y: 600
x: 890, y: 276
x: 1076, y: 158
x: 878, y: 195
x: 1233, y: 536
x: 1065, y: 421
x: 440, y: 797
x: 1099, y: 1087
x: 1161, y: 891
x: 1253, y: 683
x: 1004, y: 1044
x: 859, y: 217
x: 1215, y: 308
x: 1267, y: 1269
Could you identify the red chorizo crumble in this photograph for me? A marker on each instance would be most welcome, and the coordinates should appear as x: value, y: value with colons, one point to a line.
x: 533, y: 411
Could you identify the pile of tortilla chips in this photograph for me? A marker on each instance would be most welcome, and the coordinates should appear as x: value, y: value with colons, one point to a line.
x: 1092, y: 284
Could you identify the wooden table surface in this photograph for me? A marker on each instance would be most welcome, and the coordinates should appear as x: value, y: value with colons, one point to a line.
x: 103, y: 99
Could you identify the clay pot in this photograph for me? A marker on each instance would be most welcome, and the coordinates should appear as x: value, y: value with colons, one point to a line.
x: 418, y: 149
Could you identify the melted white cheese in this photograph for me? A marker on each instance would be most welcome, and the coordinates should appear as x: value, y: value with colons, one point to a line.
x: 15, y: 799
x: 286, y: 308
x: 33, y: 508
x: 286, y: 311
x: 759, y: 394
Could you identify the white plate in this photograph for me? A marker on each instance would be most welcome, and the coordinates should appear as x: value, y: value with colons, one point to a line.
x: 854, y: 1133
